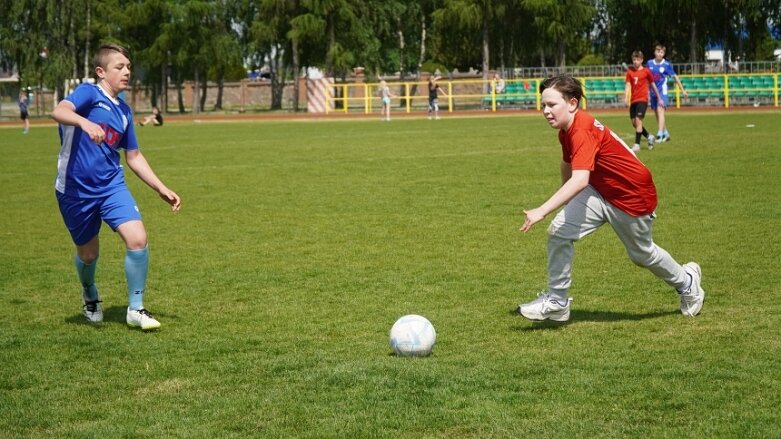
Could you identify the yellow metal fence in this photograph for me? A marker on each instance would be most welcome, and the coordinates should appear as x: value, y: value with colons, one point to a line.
x: 702, y: 90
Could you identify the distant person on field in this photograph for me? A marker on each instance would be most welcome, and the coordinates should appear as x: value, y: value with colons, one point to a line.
x: 155, y: 118
x: 433, y: 97
x: 385, y: 96
x: 662, y: 69
x: 23, y: 113
x: 90, y: 186
x: 602, y: 182
x: 638, y: 81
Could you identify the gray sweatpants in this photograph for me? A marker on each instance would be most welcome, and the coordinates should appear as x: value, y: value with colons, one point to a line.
x: 584, y: 214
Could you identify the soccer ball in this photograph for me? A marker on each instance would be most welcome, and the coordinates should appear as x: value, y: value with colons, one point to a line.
x: 412, y: 335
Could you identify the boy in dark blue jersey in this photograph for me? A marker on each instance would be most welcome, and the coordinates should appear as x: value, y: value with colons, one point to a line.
x: 90, y: 186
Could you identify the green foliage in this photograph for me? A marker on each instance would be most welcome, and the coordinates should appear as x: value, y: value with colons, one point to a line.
x: 592, y: 59
x: 300, y: 243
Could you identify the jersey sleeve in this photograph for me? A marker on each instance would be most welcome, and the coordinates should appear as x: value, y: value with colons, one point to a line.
x: 129, y: 140
x: 671, y: 69
x: 82, y: 98
x: 584, y: 150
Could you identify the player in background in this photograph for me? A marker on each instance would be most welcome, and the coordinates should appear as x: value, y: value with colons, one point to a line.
x: 433, y: 97
x: 662, y: 69
x: 385, y: 96
x: 23, y: 112
x: 156, y: 118
x: 638, y: 80
x: 94, y: 125
x: 602, y: 182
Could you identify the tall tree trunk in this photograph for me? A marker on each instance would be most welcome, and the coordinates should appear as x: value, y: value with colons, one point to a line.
x: 204, y: 90
x: 486, y: 52
x: 693, y: 43
x: 331, y: 35
x: 402, y: 62
x: 196, y: 91
x: 220, y: 85
x: 296, y: 68
x: 421, y: 55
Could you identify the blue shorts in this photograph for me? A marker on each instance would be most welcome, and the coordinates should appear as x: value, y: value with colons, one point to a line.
x: 83, y: 216
x: 655, y: 102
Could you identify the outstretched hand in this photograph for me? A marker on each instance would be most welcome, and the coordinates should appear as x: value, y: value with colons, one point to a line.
x: 171, y: 198
x: 533, y: 216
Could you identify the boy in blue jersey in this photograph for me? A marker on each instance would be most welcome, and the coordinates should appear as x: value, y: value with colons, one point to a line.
x: 661, y: 69
x: 90, y: 186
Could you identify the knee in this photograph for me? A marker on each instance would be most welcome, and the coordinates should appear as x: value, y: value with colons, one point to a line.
x: 642, y: 258
x: 88, y: 256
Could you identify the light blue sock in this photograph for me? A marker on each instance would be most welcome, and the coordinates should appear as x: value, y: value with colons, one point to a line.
x: 666, y: 133
x: 136, y: 266
x: 87, y: 277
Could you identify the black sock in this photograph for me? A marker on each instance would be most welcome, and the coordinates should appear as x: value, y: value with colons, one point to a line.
x: 637, y: 137
x: 645, y: 133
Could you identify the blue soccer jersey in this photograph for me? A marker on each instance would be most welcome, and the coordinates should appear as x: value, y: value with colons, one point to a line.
x: 660, y: 71
x: 87, y: 170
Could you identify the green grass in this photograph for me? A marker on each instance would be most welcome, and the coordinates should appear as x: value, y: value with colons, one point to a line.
x: 300, y: 243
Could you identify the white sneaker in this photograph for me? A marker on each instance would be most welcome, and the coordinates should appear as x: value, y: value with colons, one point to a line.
x: 636, y: 147
x: 693, y: 298
x: 92, y: 309
x: 141, y: 318
x: 651, y: 140
x: 544, y: 307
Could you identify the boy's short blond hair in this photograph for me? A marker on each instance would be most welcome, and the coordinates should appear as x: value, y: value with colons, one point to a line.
x: 101, y: 55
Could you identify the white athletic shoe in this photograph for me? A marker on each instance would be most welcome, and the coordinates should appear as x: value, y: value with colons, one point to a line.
x: 651, y: 140
x: 92, y: 309
x: 544, y: 307
x: 693, y: 298
x: 636, y: 147
x: 141, y: 318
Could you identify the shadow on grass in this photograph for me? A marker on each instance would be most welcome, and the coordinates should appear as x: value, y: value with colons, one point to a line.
x: 577, y: 316
x: 111, y: 316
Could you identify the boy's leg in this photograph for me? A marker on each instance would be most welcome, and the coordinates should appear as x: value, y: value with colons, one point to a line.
x: 636, y: 233
x: 580, y: 217
x: 583, y: 215
x: 136, y: 261
x: 121, y: 213
x: 86, y: 261
x: 82, y: 218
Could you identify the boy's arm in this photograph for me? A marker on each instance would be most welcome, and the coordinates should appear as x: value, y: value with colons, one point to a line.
x: 627, y: 92
x: 139, y: 165
x: 680, y: 85
x: 576, y: 182
x: 657, y: 94
x: 65, y: 113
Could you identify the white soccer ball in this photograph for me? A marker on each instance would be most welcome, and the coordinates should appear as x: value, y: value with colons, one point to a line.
x: 412, y: 335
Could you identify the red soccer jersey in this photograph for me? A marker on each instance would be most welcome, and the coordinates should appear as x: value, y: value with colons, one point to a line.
x: 640, y: 80
x: 616, y: 172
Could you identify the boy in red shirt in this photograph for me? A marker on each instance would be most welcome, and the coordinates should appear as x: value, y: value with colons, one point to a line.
x: 602, y: 182
x: 638, y: 79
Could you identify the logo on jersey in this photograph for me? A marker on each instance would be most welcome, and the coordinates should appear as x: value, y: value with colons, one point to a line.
x: 112, y: 136
x: 104, y: 106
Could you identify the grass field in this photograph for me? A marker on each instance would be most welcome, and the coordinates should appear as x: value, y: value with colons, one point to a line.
x: 300, y: 243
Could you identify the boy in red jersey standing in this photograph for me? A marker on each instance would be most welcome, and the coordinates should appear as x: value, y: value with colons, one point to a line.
x: 602, y: 182
x: 638, y: 79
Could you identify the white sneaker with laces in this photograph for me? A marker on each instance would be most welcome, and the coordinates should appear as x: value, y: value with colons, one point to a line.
x: 636, y: 147
x: 141, y: 318
x: 545, y: 307
x: 651, y: 140
x: 693, y: 298
x: 92, y: 309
